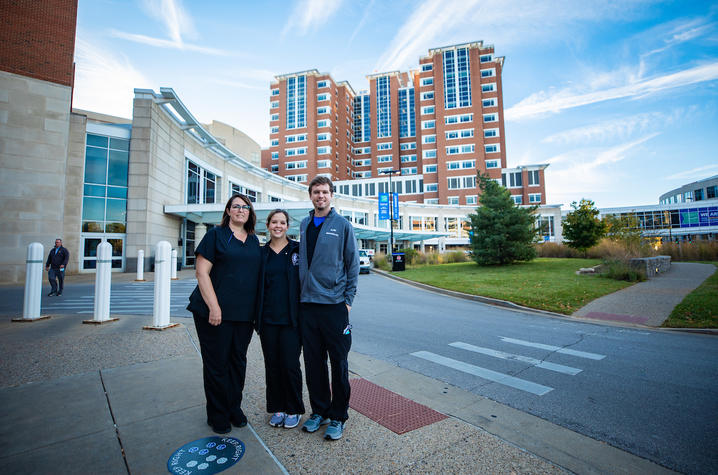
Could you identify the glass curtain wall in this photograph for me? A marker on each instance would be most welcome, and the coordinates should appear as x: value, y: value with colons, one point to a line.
x: 104, y: 201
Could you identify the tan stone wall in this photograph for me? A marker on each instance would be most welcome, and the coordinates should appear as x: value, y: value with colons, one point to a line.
x: 236, y: 140
x: 34, y: 134
x: 74, y: 180
x: 157, y: 178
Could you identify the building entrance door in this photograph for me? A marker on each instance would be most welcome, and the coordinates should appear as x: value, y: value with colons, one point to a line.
x: 88, y: 251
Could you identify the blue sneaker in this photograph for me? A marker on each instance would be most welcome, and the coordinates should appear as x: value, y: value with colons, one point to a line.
x: 292, y: 421
x: 313, y: 423
x: 335, y: 430
x: 277, y: 419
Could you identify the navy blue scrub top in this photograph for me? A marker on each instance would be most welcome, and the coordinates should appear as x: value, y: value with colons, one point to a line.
x: 275, y: 308
x: 235, y: 271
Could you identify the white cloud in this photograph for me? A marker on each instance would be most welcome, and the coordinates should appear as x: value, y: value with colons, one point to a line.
x: 695, y: 173
x: 177, y: 21
x: 105, y: 82
x: 361, y: 23
x: 587, y: 171
x: 170, y: 44
x: 178, y: 24
x: 543, y: 103
x: 309, y: 14
x: 501, y: 22
x: 616, y: 129
x: 429, y: 19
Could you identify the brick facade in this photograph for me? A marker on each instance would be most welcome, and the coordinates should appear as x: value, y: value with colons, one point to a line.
x: 37, y: 39
x: 467, y: 135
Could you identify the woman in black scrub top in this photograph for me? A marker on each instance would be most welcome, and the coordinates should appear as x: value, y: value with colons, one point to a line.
x: 278, y: 323
x: 228, y: 268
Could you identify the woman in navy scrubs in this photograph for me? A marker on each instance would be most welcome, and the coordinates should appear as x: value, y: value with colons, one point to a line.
x: 228, y: 268
x: 278, y: 323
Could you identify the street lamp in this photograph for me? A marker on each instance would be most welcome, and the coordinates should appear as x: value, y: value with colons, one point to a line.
x: 391, y: 209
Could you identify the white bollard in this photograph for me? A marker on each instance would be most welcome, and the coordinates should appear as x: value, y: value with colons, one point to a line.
x: 140, y: 266
x: 174, y: 264
x: 103, y: 282
x: 161, y: 309
x: 33, y: 284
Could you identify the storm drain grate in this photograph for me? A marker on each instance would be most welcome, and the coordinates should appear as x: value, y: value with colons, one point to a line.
x: 617, y: 318
x: 395, y: 412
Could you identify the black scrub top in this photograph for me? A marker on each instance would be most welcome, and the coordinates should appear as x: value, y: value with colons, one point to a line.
x: 235, y: 271
x: 275, y: 309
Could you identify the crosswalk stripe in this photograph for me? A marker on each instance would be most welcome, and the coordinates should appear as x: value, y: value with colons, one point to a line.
x: 557, y: 349
x: 559, y: 368
x: 484, y: 373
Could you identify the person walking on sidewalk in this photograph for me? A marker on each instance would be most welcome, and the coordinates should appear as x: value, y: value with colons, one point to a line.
x: 55, y: 267
x: 278, y: 323
x: 223, y: 306
x: 328, y: 274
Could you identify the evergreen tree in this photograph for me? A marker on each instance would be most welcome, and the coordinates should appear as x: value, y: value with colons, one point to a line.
x: 581, y: 228
x: 502, y: 232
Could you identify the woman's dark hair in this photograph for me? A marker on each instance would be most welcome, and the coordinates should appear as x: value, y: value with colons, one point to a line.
x: 251, y: 220
x: 272, y: 213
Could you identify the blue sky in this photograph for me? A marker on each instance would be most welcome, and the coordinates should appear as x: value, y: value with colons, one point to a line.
x: 619, y: 97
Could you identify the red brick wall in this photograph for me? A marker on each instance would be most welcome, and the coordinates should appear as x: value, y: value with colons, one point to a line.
x: 37, y: 38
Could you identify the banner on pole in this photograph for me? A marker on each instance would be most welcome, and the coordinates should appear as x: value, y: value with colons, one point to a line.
x: 383, y: 206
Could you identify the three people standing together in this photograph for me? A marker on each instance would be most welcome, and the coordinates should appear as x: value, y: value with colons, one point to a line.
x: 295, y: 295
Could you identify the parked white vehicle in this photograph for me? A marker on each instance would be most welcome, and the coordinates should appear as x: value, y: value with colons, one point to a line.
x: 364, y: 261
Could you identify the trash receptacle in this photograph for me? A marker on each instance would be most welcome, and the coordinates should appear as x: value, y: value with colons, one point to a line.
x: 398, y: 261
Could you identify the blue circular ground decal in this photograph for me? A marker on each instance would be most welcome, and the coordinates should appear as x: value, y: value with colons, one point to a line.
x: 209, y: 455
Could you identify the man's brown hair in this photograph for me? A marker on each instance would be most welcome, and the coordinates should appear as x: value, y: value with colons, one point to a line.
x: 321, y: 180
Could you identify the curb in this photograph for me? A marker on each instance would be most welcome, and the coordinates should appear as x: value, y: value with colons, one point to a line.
x: 475, y: 298
x: 515, y: 306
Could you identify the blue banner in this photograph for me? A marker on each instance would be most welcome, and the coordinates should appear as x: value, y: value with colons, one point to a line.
x: 395, y: 204
x: 383, y: 206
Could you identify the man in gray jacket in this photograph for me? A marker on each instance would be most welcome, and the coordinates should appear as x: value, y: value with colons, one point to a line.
x: 328, y: 274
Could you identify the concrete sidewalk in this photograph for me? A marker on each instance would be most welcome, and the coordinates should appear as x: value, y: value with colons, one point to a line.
x: 113, y: 398
x: 651, y: 302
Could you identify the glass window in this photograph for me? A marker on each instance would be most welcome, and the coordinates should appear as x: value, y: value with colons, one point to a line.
x: 117, y: 168
x: 95, y: 165
x: 407, y: 116
x: 457, y: 81
x: 97, y: 140
x: 93, y: 209
x: 383, y: 107
x: 296, y: 102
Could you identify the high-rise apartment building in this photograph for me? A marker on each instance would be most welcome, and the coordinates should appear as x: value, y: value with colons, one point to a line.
x: 436, y: 126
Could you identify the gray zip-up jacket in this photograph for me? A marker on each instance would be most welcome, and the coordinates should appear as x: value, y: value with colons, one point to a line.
x: 334, y: 272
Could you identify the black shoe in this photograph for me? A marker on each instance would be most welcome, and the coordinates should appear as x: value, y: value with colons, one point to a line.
x: 240, y: 421
x: 220, y: 430
x: 51, y: 294
x: 58, y: 294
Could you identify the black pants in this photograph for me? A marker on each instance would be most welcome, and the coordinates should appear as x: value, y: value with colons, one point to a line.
x: 224, y: 365
x: 323, y: 335
x: 281, y: 346
x: 56, y: 273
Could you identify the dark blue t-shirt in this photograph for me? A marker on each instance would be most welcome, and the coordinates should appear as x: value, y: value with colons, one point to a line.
x: 235, y: 271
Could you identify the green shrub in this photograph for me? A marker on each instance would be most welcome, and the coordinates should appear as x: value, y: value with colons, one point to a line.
x: 621, y: 269
x: 410, y: 255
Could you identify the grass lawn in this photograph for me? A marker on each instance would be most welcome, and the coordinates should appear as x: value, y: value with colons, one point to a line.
x: 545, y: 283
x: 700, y: 308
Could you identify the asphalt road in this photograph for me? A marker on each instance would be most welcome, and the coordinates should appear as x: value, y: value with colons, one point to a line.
x: 651, y: 393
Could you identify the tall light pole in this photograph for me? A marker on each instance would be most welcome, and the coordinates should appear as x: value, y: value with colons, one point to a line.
x: 391, y: 209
